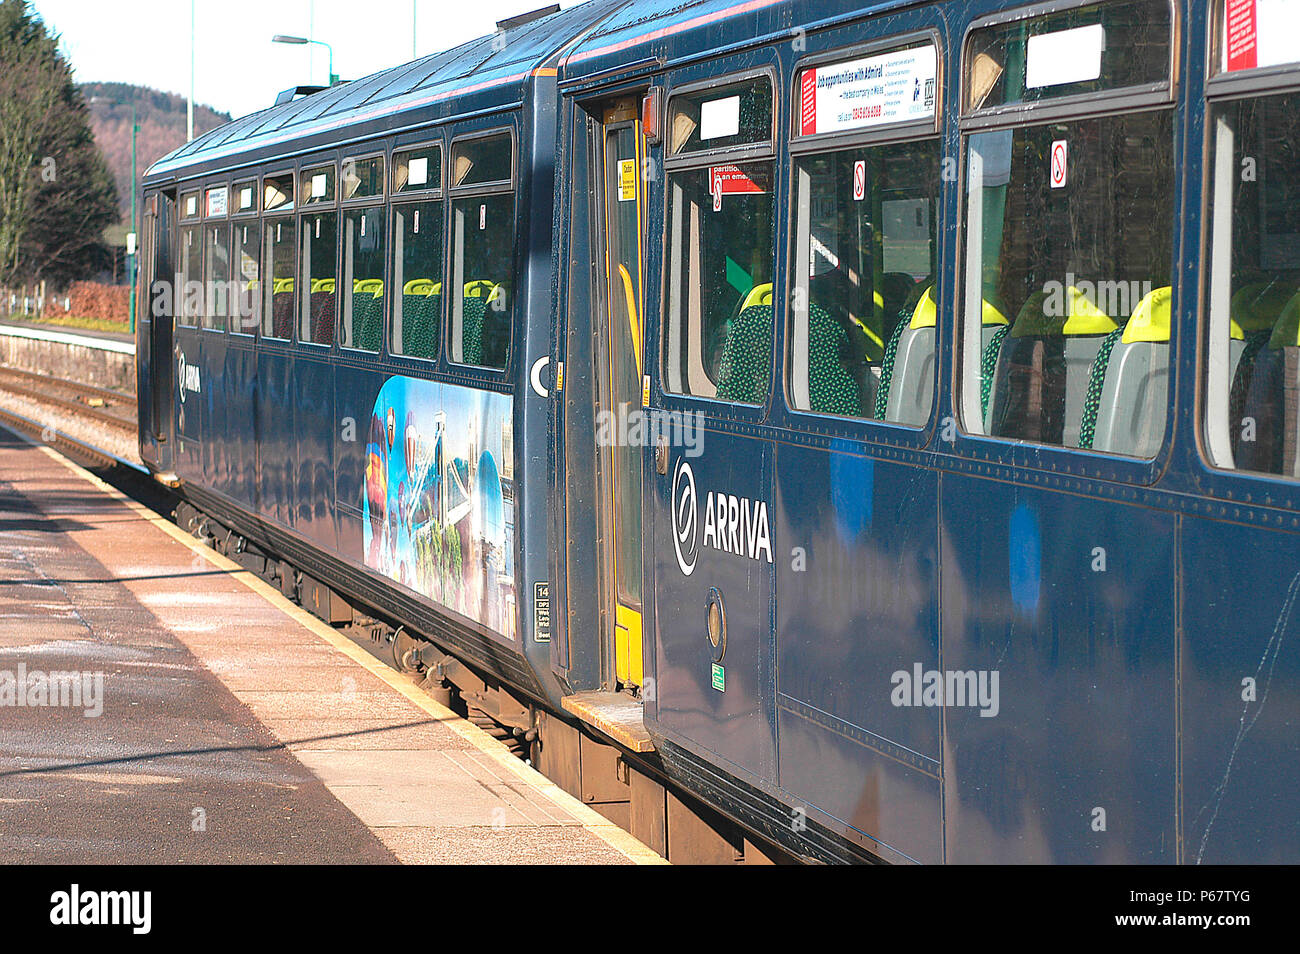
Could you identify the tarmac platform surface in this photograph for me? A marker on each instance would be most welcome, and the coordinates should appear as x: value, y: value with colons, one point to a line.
x: 232, y: 726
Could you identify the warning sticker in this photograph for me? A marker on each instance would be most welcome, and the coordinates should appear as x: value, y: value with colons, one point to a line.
x: 542, y: 611
x: 1060, y: 163
x: 888, y: 88
x: 626, y: 180
x: 730, y: 180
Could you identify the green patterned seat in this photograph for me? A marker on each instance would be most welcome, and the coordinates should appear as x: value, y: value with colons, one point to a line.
x: 746, y: 363
x: 420, y: 325
x: 367, y: 320
x: 473, y: 309
x: 831, y: 388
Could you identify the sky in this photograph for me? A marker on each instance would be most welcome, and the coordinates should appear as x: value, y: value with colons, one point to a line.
x: 236, y: 67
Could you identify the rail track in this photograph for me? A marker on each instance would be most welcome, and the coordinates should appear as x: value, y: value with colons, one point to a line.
x: 85, y: 400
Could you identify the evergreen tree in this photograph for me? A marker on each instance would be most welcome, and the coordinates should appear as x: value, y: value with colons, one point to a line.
x: 56, y: 194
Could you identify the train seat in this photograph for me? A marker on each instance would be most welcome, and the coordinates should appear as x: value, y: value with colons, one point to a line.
x: 745, y: 367
x: 367, y: 313
x: 421, y: 311
x: 1271, y: 399
x: 473, y: 314
x: 1040, y: 375
x: 1128, y: 385
x: 1253, y: 311
x: 282, y: 308
x: 322, y: 311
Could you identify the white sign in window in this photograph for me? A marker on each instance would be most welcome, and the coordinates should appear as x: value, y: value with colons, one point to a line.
x: 217, y: 201
x: 246, y: 198
x: 886, y: 88
x: 720, y: 117
x: 1066, y: 56
x: 318, y: 185
x: 418, y: 171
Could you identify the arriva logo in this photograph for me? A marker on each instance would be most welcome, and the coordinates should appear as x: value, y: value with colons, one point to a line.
x: 187, y: 377
x: 731, y: 524
x: 685, y: 525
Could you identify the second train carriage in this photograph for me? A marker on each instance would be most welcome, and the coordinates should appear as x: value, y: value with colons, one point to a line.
x: 895, y: 401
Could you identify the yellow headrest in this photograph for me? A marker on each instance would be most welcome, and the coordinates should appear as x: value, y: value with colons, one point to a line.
x: 1150, y: 322
x: 322, y: 285
x: 1068, y: 312
x: 758, y: 295
x: 373, y: 285
x: 927, y: 313
x: 476, y: 289
x: 1256, y: 307
x: 282, y: 285
x: 1286, y: 333
x: 421, y: 286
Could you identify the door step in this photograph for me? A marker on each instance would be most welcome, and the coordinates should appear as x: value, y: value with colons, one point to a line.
x: 616, y: 714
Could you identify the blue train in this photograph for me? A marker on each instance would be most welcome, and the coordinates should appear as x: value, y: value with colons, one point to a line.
x: 818, y: 429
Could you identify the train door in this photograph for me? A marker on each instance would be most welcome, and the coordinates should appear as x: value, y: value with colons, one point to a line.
x: 158, y: 276
x: 619, y: 324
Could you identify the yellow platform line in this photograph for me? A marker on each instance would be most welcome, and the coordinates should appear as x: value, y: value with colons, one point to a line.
x: 592, y: 821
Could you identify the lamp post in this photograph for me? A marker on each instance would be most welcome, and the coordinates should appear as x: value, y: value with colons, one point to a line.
x: 300, y: 40
x: 133, y: 258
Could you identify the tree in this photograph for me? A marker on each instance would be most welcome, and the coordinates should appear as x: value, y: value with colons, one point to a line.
x: 56, y: 194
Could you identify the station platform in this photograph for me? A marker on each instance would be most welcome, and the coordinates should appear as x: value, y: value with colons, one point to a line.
x: 206, y: 719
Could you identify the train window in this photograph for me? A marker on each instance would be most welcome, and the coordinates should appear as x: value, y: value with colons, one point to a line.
x: 1067, y: 282
x: 483, y: 160
x: 277, y: 192
x: 417, y: 170
x: 363, y: 178
x: 720, y: 267
x: 244, y: 197
x: 1080, y: 51
x: 278, y: 280
x: 317, y: 186
x: 216, y: 273
x: 318, y: 265
x: 417, y: 272
x: 191, y: 239
x: 363, y: 274
x: 863, y: 316
x: 245, y: 249
x: 721, y: 117
x: 482, y: 252
x: 1252, y: 410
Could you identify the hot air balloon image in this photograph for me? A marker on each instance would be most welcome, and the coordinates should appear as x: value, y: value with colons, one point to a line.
x: 436, y: 495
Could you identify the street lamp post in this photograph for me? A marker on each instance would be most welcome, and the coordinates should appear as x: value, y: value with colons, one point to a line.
x: 135, y: 239
x: 300, y: 40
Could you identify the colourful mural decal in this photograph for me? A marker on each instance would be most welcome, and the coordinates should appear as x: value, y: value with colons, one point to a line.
x: 439, y: 503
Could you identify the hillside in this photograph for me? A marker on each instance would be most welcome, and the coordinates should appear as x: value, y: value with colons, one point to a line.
x: 161, y: 117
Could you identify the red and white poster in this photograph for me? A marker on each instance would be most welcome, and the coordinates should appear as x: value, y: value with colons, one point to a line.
x: 1241, y: 37
x: 730, y: 180
x: 887, y: 88
x: 859, y: 180
x: 1259, y: 33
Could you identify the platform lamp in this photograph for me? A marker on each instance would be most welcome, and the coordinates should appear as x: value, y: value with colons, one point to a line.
x: 300, y: 40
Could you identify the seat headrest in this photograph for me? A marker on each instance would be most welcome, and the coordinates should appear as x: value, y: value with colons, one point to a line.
x: 1256, y: 307
x: 1061, y: 313
x: 1150, y: 321
x: 758, y: 295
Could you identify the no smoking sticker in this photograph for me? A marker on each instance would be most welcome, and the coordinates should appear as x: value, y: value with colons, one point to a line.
x: 1060, y: 163
x: 859, y: 180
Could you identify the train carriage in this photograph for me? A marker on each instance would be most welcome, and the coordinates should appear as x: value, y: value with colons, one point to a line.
x: 873, y: 422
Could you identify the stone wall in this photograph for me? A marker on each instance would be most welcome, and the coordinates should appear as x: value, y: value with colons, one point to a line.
x: 61, y: 355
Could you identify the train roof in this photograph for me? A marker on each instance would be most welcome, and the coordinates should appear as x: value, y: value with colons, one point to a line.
x: 476, y: 75
x: 670, y: 31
